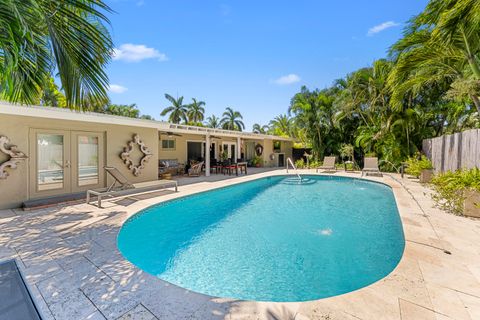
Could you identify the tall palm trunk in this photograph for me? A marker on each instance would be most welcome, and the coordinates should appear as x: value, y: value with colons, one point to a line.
x: 473, y: 65
x: 476, y: 101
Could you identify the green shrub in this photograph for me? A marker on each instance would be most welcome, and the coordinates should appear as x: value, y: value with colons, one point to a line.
x: 346, y: 151
x: 416, y: 165
x: 314, y: 164
x: 300, y: 164
x: 350, y: 166
x: 451, y: 187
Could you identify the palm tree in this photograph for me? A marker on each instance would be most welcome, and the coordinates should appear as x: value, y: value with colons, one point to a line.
x: 177, y: 111
x: 195, y: 111
x: 40, y: 36
x: 257, y: 128
x: 440, y: 46
x: 213, y: 122
x: 124, y: 110
x: 457, y: 23
x: 232, y: 120
x: 314, y: 112
x: 282, y: 125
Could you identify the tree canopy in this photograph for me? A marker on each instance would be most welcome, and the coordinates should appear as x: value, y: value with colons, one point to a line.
x: 40, y: 37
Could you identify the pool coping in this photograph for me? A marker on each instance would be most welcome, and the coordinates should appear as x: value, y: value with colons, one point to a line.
x: 392, y: 183
x: 396, y: 188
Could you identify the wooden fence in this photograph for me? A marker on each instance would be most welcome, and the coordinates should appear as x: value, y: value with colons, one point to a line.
x: 452, y: 152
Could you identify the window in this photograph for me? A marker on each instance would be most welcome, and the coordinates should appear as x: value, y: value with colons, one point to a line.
x: 277, y: 145
x: 168, y: 144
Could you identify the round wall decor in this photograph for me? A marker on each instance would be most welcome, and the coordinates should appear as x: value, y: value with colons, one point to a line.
x: 258, y: 149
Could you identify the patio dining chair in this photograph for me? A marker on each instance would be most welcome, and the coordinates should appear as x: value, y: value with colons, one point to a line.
x: 215, y: 166
x: 228, y: 167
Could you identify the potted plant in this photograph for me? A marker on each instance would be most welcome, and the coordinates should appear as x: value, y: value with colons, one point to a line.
x: 471, y: 205
x: 458, y: 192
x: 426, y: 175
x: 420, y: 167
x: 223, y: 156
x: 257, y: 161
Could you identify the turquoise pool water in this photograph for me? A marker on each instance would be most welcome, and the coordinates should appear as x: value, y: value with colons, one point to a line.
x: 271, y: 239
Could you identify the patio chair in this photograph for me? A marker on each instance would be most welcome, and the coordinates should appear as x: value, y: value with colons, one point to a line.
x: 121, y: 186
x: 228, y: 167
x: 328, y: 164
x: 215, y: 166
x: 371, y: 166
x: 195, y: 170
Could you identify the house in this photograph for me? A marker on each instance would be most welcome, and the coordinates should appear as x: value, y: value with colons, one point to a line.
x: 62, y: 152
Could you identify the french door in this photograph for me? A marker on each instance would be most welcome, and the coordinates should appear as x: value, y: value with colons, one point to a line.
x: 65, y: 161
x: 230, y: 148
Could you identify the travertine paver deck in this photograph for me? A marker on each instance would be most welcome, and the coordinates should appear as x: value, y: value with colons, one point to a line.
x: 70, y: 258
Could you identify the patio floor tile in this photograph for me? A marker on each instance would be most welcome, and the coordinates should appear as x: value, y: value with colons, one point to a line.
x: 70, y: 258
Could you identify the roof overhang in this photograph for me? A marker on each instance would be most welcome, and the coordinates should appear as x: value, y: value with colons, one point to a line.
x: 73, y: 115
x: 185, y: 129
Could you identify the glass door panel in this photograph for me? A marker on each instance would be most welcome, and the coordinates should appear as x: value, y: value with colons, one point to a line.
x: 87, y: 160
x: 230, y: 149
x: 50, y: 161
x: 194, y: 151
x: 50, y: 164
x: 87, y: 157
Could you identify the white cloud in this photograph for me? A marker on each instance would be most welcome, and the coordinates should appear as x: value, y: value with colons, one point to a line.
x: 288, y: 79
x: 137, y: 52
x: 225, y: 9
x: 116, y: 88
x: 381, y: 27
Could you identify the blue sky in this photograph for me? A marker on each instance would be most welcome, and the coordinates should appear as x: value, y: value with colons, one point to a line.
x: 252, y: 56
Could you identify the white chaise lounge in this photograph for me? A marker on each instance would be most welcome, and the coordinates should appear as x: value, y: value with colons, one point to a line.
x: 121, y: 186
x: 371, y: 166
x: 328, y: 164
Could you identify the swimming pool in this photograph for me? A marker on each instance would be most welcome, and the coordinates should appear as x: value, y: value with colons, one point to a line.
x: 271, y: 239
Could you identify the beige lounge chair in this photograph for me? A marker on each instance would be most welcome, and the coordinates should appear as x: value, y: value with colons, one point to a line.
x: 121, y: 186
x: 195, y: 170
x: 371, y: 166
x: 328, y: 164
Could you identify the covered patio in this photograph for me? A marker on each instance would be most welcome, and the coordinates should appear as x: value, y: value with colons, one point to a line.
x: 183, y: 145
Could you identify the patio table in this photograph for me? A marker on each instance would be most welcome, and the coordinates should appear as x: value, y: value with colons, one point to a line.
x: 242, y: 166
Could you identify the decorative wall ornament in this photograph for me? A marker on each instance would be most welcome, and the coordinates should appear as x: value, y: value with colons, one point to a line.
x: 258, y: 149
x: 15, y: 156
x: 125, y: 155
